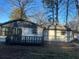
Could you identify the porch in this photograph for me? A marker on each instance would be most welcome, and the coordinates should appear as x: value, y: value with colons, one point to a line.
x: 13, y: 35
x: 25, y: 40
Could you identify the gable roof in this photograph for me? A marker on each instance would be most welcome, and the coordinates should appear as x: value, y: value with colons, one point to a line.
x: 16, y: 21
x: 59, y: 27
x: 21, y: 21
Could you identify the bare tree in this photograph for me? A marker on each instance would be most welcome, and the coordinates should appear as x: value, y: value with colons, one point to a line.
x: 54, y: 6
x: 73, y: 24
x: 77, y: 6
x: 50, y: 5
x: 77, y: 20
x: 40, y: 18
x: 67, y: 11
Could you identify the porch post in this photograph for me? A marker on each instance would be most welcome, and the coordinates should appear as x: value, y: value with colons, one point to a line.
x: 55, y: 32
x: 43, y: 36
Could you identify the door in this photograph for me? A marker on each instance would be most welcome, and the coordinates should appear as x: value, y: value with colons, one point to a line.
x: 17, y: 35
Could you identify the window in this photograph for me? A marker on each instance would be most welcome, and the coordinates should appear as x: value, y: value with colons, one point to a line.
x: 34, y: 31
x: 6, y: 31
x: 0, y: 32
x: 62, y: 32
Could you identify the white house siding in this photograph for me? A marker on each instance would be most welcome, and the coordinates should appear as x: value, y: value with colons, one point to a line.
x: 69, y: 36
x: 78, y: 36
x: 3, y: 31
x: 2, y: 38
x: 45, y: 35
x: 59, y: 37
x: 51, y: 35
x: 28, y: 32
x: 39, y: 31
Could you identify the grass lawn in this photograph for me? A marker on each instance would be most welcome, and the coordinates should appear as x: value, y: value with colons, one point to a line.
x: 37, y: 52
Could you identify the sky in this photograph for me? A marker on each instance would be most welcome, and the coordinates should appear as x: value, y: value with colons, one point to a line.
x: 5, y: 9
x: 36, y: 6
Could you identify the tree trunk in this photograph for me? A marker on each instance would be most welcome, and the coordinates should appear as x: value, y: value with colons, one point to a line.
x: 67, y: 12
x: 57, y: 21
x: 77, y: 7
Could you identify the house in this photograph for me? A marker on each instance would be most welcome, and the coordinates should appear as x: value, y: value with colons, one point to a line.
x: 76, y: 34
x: 58, y: 33
x: 21, y: 31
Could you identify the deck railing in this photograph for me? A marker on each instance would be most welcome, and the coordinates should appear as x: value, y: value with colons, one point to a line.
x: 32, y: 39
x: 25, y: 39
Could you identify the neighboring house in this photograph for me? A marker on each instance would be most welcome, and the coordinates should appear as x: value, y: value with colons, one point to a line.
x: 76, y: 34
x: 58, y: 33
